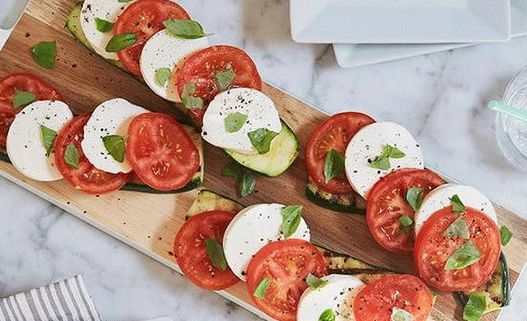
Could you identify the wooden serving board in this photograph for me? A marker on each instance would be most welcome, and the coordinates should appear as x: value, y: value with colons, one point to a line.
x: 148, y: 222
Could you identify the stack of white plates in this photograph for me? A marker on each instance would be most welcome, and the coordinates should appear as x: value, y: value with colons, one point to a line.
x: 372, y: 31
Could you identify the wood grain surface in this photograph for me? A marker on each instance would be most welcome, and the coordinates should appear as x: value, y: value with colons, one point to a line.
x: 148, y: 222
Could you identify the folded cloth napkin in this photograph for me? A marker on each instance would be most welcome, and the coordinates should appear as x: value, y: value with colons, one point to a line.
x: 66, y: 300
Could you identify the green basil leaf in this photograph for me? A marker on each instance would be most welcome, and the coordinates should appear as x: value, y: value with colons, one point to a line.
x: 216, y: 254
x: 45, y: 54
x: 103, y: 25
x: 71, y: 156
x: 457, y: 206
x: 23, y: 98
x: 186, y: 29
x: 261, y: 139
x: 476, y: 305
x: 291, y: 216
x: 234, y: 122
x: 232, y: 170
x: 48, y: 138
x: 414, y: 197
x: 466, y: 255
x: 247, y: 183
x: 394, y: 152
x: 406, y: 221
x: 505, y: 235
x: 327, y: 315
x: 163, y: 75
x: 315, y: 282
x: 261, y: 289
x: 224, y: 78
x: 333, y: 165
x: 121, y: 41
x: 401, y: 315
x: 124, y: 1
x: 187, y: 98
x: 458, y: 228
x: 115, y: 146
x: 381, y: 162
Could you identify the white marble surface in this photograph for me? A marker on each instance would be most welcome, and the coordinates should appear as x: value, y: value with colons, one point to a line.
x: 441, y: 99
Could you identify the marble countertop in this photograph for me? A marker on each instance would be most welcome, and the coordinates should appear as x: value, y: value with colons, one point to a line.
x: 440, y: 98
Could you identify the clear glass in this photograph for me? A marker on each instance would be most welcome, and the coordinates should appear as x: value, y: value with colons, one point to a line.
x: 511, y: 133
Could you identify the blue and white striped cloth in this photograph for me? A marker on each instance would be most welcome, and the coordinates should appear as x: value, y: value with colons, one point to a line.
x: 66, y: 300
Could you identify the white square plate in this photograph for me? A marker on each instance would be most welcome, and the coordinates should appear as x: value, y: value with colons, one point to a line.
x: 349, y: 56
x: 399, y: 21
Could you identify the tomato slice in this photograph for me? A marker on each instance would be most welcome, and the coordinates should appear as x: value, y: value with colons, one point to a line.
x: 144, y: 18
x: 191, y: 253
x: 432, y: 250
x: 334, y: 133
x: 86, y: 178
x: 161, y: 152
x: 377, y: 300
x: 285, y: 264
x: 201, y: 67
x: 387, y: 203
x: 23, y: 82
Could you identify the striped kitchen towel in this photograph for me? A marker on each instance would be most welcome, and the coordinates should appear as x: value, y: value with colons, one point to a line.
x: 65, y: 300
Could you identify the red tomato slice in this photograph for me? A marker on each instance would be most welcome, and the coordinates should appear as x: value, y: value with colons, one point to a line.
x: 86, y: 178
x: 161, y: 152
x: 7, y: 115
x: 144, y: 18
x: 377, y: 300
x: 387, y: 203
x: 191, y: 253
x: 285, y: 264
x: 334, y: 133
x: 201, y: 67
x: 432, y: 250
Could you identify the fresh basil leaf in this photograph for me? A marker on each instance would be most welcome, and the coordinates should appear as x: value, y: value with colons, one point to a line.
x: 124, y: 1
x: 458, y: 228
x: 247, y: 183
x: 261, y: 139
x: 103, y: 25
x: 224, y: 78
x: 163, y: 75
x: 401, y: 315
x: 187, y: 98
x: 476, y: 305
x: 71, y: 156
x: 261, y: 289
x: 216, y: 254
x: 406, y: 221
x: 315, y: 282
x: 234, y: 122
x: 466, y: 255
x: 186, y: 29
x: 457, y: 206
x: 232, y: 170
x: 23, y: 98
x: 48, y: 138
x: 394, y: 152
x: 333, y: 165
x: 327, y: 315
x: 383, y: 161
x: 505, y: 235
x: 291, y: 216
x: 115, y: 146
x: 414, y: 197
x: 121, y: 41
x: 45, y: 54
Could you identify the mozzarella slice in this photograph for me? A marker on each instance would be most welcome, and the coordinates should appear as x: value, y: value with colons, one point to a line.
x: 164, y: 50
x: 25, y: 147
x: 368, y: 143
x: 260, y: 110
x: 112, y: 117
x: 338, y: 294
x: 253, y: 228
x: 440, y: 197
x: 107, y: 10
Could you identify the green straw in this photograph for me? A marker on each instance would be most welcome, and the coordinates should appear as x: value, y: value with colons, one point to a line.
x: 508, y: 110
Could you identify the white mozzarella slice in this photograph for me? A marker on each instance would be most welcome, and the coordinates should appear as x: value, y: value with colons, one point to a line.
x: 112, y: 117
x: 440, y: 197
x: 107, y: 10
x: 338, y: 294
x: 260, y: 110
x: 164, y: 50
x: 253, y: 228
x: 368, y: 143
x: 24, y: 140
